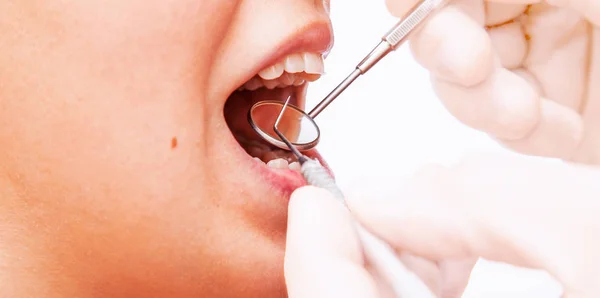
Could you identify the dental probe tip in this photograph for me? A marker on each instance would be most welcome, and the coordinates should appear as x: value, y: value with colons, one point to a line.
x: 301, y: 158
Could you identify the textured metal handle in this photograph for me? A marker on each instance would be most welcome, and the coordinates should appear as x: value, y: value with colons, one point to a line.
x: 379, y: 254
x: 396, y: 36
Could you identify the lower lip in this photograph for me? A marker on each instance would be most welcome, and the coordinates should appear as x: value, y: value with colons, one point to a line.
x: 285, y: 180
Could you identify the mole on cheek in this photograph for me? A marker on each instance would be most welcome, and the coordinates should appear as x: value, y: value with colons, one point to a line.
x: 174, y: 143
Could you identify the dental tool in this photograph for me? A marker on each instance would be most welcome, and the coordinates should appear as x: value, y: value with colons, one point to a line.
x: 309, y: 136
x: 301, y: 133
x: 383, y: 258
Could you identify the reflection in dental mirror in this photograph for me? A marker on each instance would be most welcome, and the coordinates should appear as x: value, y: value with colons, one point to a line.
x: 295, y: 125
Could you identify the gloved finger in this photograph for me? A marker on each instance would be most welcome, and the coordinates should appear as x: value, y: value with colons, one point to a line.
x: 497, y: 13
x: 507, y: 106
x: 558, y: 134
x: 559, y: 48
x: 459, y: 54
x: 417, y: 222
x: 427, y: 270
x: 510, y: 44
x: 590, y: 9
x: 454, y: 47
x: 504, y: 105
x: 473, y: 8
x: 448, y: 279
x: 399, y: 8
x: 323, y: 256
x: 496, y: 208
x: 455, y: 275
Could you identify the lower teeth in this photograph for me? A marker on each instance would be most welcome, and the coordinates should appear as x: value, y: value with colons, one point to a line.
x: 280, y: 163
x: 276, y: 159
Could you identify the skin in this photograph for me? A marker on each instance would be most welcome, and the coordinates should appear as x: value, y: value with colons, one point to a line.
x: 118, y: 177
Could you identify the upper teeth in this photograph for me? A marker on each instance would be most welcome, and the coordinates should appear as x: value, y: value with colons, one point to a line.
x: 294, y: 69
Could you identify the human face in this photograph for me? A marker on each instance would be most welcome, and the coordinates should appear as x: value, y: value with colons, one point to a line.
x: 119, y: 171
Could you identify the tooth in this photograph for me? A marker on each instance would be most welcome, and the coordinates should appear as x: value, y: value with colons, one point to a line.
x: 272, y: 72
x: 287, y: 78
x: 258, y: 160
x: 294, y: 63
x: 295, y: 166
x: 278, y: 163
x: 270, y: 84
x: 313, y: 63
x: 253, y: 84
x: 275, y: 154
x: 294, y: 70
x: 311, y: 77
x: 299, y: 82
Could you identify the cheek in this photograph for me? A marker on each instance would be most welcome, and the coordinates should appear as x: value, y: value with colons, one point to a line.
x: 93, y: 94
x: 102, y: 130
x: 112, y: 42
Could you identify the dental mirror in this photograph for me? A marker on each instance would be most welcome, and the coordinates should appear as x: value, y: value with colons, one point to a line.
x: 300, y: 129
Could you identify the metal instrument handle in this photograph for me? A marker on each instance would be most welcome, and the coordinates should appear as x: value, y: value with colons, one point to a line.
x: 396, y: 36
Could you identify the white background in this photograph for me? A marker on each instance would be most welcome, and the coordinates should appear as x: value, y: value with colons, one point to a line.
x: 394, y: 104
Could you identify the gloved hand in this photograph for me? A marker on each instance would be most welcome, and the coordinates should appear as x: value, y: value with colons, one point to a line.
x: 526, y: 72
x: 324, y: 257
x: 526, y: 213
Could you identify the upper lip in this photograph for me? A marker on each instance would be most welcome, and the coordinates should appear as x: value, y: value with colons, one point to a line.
x: 316, y: 37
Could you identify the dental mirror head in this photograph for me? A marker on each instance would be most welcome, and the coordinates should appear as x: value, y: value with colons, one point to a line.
x: 297, y: 127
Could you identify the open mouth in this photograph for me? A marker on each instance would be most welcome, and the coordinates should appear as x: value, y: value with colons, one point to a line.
x: 287, y: 77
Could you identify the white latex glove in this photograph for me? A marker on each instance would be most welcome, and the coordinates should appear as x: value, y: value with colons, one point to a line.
x: 527, y: 72
x: 526, y: 213
x: 324, y: 257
